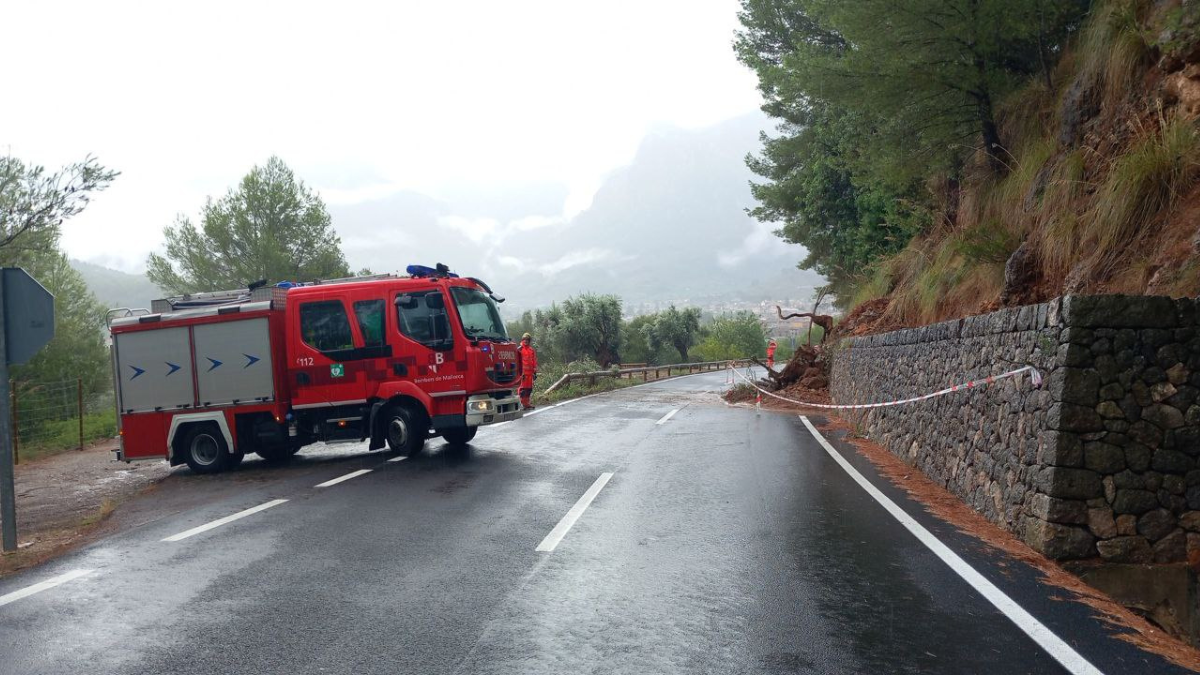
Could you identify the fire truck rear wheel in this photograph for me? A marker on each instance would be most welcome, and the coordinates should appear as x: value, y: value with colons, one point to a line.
x: 459, y: 436
x: 206, y: 450
x: 405, y: 430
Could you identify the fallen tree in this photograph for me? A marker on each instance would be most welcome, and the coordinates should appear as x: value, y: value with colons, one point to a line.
x: 823, y: 320
x: 806, y: 368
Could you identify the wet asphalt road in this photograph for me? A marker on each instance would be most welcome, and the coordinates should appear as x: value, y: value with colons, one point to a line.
x: 725, y: 542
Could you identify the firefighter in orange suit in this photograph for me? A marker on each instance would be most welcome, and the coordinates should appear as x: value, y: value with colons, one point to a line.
x: 771, y: 353
x: 528, y: 370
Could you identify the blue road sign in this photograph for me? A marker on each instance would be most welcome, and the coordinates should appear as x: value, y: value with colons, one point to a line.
x: 28, y: 315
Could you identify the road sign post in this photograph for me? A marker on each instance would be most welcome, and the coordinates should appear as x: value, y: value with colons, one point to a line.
x: 26, y: 325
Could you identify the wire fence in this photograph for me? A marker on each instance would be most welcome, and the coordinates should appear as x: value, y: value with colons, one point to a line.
x: 51, y: 417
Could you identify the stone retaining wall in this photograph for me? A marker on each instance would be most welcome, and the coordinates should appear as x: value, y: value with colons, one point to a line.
x: 1099, y: 461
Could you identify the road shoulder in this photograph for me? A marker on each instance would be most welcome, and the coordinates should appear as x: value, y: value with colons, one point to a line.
x: 65, y: 500
x: 1007, y: 561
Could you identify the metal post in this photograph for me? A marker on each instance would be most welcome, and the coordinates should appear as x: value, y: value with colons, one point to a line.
x: 16, y: 436
x: 79, y: 389
x: 8, y: 493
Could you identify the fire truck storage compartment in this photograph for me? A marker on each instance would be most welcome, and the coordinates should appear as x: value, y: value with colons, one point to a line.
x: 233, y: 362
x: 156, y: 370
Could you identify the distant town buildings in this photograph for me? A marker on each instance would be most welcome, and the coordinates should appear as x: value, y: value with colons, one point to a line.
x: 763, y: 309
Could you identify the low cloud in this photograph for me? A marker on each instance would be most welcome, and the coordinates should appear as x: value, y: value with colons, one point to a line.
x: 589, y: 256
x: 535, y: 223
x: 760, y: 243
x: 475, y: 229
x: 509, y: 261
x: 356, y: 195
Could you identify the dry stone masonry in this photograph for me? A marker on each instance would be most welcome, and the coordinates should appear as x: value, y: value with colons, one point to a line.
x: 1100, y: 461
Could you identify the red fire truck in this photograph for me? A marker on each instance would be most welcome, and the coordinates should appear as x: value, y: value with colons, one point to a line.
x: 395, y: 360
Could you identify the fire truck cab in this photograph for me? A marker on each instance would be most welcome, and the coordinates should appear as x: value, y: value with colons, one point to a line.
x: 393, y: 360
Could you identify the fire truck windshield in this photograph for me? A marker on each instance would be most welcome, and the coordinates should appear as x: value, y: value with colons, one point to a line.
x: 479, y: 315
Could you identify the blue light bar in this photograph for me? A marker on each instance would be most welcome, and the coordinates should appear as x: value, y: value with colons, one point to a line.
x: 423, y: 271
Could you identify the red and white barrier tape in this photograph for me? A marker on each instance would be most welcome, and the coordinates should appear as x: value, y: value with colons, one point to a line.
x: 1034, y: 376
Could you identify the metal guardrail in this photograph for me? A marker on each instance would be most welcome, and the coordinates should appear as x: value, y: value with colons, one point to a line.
x: 591, y: 377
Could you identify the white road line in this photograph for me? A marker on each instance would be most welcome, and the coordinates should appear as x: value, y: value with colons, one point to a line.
x: 667, y: 416
x: 339, y: 479
x: 45, y: 585
x: 1054, y: 645
x: 560, y: 530
x: 534, y: 411
x: 222, y: 521
x: 401, y: 458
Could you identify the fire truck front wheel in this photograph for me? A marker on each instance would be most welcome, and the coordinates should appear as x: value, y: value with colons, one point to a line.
x: 460, y: 436
x: 405, y: 430
x: 206, y: 450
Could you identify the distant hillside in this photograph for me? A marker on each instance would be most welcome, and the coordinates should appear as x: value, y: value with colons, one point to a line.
x: 117, y: 289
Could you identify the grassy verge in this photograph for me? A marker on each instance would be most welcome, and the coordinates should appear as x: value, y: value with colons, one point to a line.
x: 577, y: 389
x: 61, y: 435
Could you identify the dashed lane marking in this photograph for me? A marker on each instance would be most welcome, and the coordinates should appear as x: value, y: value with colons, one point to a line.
x: 1054, y: 645
x: 667, y: 416
x: 339, y: 479
x: 43, y: 586
x: 401, y: 458
x: 560, y: 530
x: 222, y: 521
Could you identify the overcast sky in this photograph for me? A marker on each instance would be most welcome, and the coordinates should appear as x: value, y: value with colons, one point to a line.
x: 362, y: 99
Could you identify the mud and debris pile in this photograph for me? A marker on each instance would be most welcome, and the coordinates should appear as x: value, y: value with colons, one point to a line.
x: 804, y: 378
x: 806, y: 368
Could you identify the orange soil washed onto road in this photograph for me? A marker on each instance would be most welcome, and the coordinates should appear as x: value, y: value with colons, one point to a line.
x: 954, y: 511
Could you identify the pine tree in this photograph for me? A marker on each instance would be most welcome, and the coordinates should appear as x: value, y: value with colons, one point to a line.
x: 270, y: 227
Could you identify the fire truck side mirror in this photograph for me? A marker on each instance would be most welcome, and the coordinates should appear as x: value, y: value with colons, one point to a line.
x: 435, y: 301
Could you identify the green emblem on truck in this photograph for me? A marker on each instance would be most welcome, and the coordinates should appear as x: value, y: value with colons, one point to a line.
x: 337, y: 370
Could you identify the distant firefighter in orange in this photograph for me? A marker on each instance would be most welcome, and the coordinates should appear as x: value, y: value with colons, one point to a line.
x: 528, y: 370
x: 771, y: 353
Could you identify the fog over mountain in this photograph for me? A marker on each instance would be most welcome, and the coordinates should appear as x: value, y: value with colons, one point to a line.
x: 669, y: 227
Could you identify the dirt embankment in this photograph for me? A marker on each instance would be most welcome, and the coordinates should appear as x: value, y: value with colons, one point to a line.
x: 1100, y: 194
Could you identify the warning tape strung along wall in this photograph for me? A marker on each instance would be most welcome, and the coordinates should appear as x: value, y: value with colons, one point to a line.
x: 1034, y: 376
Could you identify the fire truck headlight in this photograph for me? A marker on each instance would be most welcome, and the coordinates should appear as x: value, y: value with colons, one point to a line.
x: 480, y: 406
